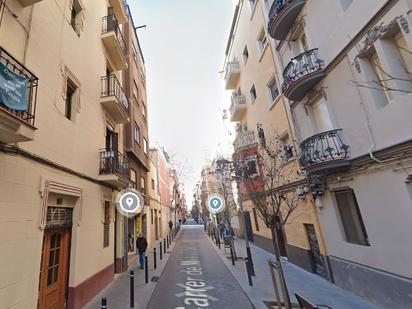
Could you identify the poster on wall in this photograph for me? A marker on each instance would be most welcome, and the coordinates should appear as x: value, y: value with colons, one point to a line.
x: 13, y: 89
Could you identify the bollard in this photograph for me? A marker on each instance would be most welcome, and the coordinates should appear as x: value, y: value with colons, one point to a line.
x: 232, y: 256
x: 131, y: 289
x: 212, y: 235
x: 154, y: 258
x: 160, y: 251
x: 218, y: 242
x: 249, y: 276
x: 164, y: 246
x: 146, y: 269
x: 167, y: 242
x: 104, y: 303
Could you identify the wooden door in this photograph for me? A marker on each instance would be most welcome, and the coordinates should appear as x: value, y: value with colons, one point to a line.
x: 54, y: 269
x: 318, y: 264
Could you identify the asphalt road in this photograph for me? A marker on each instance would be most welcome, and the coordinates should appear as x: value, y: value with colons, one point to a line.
x: 196, y: 277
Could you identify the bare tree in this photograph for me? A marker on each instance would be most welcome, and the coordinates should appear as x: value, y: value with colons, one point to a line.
x: 224, y: 181
x: 264, y: 180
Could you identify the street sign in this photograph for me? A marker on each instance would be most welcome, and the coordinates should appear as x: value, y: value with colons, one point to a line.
x: 129, y: 202
x: 216, y: 203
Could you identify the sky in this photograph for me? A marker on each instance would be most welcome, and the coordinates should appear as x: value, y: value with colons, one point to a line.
x: 184, y: 50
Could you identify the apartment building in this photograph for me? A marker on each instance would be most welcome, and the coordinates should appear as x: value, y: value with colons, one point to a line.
x: 159, y: 194
x: 136, y: 137
x: 347, y: 75
x: 62, y: 108
x: 252, y: 76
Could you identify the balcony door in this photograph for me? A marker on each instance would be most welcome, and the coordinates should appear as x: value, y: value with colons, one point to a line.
x: 112, y: 146
x: 321, y: 117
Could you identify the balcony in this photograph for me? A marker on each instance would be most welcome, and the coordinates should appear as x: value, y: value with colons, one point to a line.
x: 25, y: 3
x: 113, y: 99
x: 244, y: 140
x: 301, y: 74
x: 18, y: 95
x: 119, y: 9
x: 114, y: 42
x: 114, y: 168
x: 238, y: 108
x: 232, y: 74
x: 324, y: 152
x: 282, y: 14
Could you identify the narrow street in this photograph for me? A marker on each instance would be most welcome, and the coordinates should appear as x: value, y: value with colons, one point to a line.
x: 195, y: 276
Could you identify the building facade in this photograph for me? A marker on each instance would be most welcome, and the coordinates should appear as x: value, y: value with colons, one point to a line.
x: 347, y: 74
x: 252, y: 75
x: 62, y: 111
x: 136, y: 135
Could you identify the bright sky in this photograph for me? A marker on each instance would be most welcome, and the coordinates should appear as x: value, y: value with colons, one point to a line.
x: 184, y: 46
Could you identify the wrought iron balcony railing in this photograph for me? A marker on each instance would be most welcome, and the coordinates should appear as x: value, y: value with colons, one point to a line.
x: 21, y: 95
x: 237, y: 107
x: 282, y: 14
x: 305, y: 66
x: 325, y: 147
x: 110, y: 86
x: 110, y: 23
x: 113, y: 162
x: 244, y: 140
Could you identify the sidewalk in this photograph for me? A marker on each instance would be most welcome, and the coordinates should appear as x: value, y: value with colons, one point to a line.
x: 118, y: 292
x: 314, y: 288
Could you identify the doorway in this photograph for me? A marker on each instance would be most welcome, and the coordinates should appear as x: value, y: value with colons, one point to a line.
x: 318, y: 265
x: 54, y: 268
x: 156, y: 223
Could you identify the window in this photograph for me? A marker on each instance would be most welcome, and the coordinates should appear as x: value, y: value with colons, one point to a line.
x: 136, y: 133
x: 253, y: 95
x: 273, y: 90
x: 351, y: 218
x: 134, y: 52
x: 68, y: 108
x: 70, y: 99
x: 70, y: 94
x: 133, y: 178
x: 143, y: 184
x: 345, y: 4
x: 405, y: 52
x: 322, y: 117
x: 251, y: 167
x: 303, y: 43
x: 106, y: 224
x: 245, y: 55
x: 285, y: 147
x: 145, y: 145
x: 380, y: 77
x: 255, y: 217
x: 262, y: 41
x: 143, y: 109
x: 252, y: 4
x: 76, y: 16
x: 153, y: 184
x: 151, y: 215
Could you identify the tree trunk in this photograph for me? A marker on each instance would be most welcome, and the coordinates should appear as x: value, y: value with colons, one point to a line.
x: 283, y: 285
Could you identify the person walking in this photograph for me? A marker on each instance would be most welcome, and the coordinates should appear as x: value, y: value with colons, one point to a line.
x: 222, y: 229
x: 141, y: 244
x: 170, y: 225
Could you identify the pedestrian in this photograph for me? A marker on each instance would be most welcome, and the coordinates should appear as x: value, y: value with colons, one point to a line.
x: 170, y: 225
x: 141, y: 244
x: 222, y: 229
